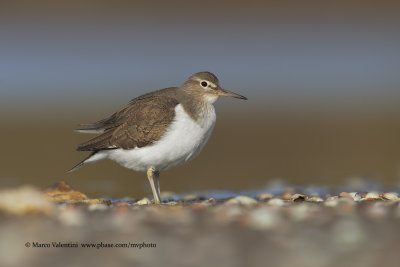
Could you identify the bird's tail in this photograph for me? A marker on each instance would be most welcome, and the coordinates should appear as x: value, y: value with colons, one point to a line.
x: 93, y: 157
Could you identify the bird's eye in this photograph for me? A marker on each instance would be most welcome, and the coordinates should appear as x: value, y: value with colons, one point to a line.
x: 204, y: 84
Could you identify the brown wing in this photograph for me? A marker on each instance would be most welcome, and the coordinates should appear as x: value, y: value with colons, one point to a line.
x: 143, y: 121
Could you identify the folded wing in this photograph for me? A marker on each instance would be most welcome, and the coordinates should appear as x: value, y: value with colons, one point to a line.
x: 143, y: 121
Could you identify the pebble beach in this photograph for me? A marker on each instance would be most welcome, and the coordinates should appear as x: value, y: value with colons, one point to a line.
x: 64, y: 227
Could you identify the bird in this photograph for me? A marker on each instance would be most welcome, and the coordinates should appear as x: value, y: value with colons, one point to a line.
x: 157, y: 130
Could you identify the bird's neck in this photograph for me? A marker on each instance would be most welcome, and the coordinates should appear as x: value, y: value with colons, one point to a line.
x: 198, y: 108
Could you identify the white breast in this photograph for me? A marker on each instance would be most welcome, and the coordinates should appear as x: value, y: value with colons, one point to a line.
x: 183, y: 141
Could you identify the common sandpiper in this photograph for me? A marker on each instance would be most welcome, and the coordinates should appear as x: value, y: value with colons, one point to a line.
x: 158, y: 130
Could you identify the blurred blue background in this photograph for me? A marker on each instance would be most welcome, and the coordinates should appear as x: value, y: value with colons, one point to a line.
x: 338, y: 53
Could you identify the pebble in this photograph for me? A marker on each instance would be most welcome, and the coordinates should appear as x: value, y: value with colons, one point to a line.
x: 331, y: 201
x: 391, y: 196
x: 346, y: 205
x: 356, y: 196
x: 225, y: 214
x: 300, y: 212
x: 24, y: 200
x: 276, y: 202
x: 396, y: 212
x: 349, y: 234
x: 264, y: 218
x: 352, y: 195
x: 346, y: 195
x: 265, y: 196
x: 27, y: 200
x: 71, y: 217
x: 286, y: 195
x: 377, y: 211
x: 210, y: 201
x: 97, y: 206
x: 242, y: 200
x: 232, y: 211
x: 371, y: 196
x: 61, y: 192
x: 204, y: 204
x: 298, y: 198
x: 315, y: 199
x: 144, y: 201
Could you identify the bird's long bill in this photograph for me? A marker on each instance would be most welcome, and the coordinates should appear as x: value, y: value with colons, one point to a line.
x: 223, y: 92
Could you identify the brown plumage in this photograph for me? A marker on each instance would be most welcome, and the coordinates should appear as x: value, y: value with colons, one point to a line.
x: 143, y: 121
x: 146, y: 118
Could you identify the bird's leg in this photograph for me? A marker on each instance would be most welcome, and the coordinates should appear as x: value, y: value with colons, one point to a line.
x: 157, y: 184
x: 154, y: 179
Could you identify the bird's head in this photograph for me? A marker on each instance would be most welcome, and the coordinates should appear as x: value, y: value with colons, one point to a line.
x: 206, y: 85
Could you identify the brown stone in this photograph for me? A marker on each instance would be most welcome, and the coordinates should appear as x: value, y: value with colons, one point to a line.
x: 298, y: 198
x: 61, y: 192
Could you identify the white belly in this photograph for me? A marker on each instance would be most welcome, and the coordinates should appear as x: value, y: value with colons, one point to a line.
x: 183, y: 141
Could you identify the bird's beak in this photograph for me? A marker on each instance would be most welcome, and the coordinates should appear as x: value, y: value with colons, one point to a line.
x: 223, y: 92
